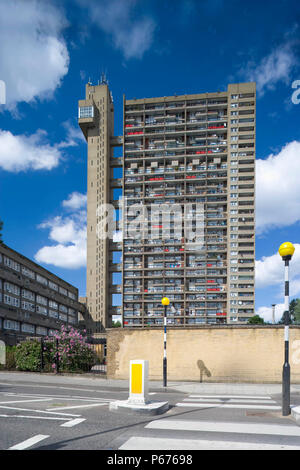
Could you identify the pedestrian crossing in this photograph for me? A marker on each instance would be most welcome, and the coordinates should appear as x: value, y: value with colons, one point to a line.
x: 201, y: 432
x: 229, y: 401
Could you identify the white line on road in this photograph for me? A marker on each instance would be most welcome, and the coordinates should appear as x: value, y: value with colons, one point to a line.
x: 73, y: 422
x: 225, y: 427
x: 24, y: 401
x: 29, y: 442
x: 36, y: 417
x: 67, y: 397
x: 228, y: 400
x: 228, y: 405
x: 39, y: 411
x: 155, y: 443
x: 78, y: 406
x: 231, y: 396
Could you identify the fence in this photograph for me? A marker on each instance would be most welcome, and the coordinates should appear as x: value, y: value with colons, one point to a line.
x: 38, y: 359
x: 98, y: 366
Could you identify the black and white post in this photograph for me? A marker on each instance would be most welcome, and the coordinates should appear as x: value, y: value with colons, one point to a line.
x: 165, y: 348
x: 165, y: 302
x: 286, y: 251
x: 286, y: 371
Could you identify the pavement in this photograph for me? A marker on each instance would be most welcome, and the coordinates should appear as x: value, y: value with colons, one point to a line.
x: 72, y: 412
x: 184, y: 387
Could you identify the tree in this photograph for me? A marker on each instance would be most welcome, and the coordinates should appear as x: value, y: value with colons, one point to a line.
x: 116, y: 324
x: 256, y: 320
x: 294, y: 312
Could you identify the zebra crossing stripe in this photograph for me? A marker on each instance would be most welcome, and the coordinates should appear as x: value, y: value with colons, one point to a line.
x: 155, y: 443
x: 228, y: 405
x: 225, y: 427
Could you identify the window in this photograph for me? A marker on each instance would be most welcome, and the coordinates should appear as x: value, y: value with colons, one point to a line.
x: 27, y: 294
x: 42, y: 310
x: 53, y: 286
x: 86, y: 112
x: 27, y: 306
x: 27, y: 272
x: 41, y: 330
x: 41, y: 300
x: 63, y: 291
x: 11, y: 301
x: 53, y: 314
x: 11, y: 325
x: 41, y: 279
x: 53, y: 304
x: 12, y: 288
x: 11, y: 264
x: 27, y: 328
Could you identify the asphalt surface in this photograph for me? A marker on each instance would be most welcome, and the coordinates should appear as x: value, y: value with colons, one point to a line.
x: 48, y: 412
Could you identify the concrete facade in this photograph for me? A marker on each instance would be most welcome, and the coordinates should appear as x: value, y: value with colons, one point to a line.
x: 249, y: 354
x: 183, y: 151
x: 33, y: 301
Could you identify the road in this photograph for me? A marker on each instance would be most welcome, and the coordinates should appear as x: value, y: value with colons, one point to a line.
x: 69, y: 415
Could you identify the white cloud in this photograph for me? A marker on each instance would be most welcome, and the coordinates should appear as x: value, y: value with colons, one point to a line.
x: 34, y: 152
x: 267, y: 314
x: 69, y: 235
x: 74, y: 135
x: 275, y: 67
x: 21, y: 152
x: 75, y: 201
x: 269, y: 271
x: 34, y: 57
x: 278, y: 188
x: 132, y: 36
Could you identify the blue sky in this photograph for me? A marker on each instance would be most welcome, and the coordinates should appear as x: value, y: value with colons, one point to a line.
x: 50, y: 49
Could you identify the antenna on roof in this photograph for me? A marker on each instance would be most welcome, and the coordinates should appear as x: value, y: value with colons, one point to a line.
x: 103, y: 80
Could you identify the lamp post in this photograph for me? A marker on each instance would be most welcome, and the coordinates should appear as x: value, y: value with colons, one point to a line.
x: 286, y: 251
x: 273, y: 313
x: 165, y: 302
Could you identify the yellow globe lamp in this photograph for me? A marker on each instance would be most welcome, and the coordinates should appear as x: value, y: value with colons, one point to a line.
x: 286, y: 250
x: 165, y: 301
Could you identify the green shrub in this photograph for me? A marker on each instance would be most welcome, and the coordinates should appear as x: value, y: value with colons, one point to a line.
x: 28, y: 356
x: 10, y: 362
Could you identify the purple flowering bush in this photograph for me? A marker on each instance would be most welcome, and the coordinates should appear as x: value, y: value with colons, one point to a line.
x: 69, y: 347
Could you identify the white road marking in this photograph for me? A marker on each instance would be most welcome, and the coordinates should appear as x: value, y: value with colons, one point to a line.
x: 63, y: 388
x: 228, y: 405
x: 228, y: 400
x: 231, y: 396
x: 35, y: 417
x: 79, y: 406
x: 72, y: 422
x: 225, y: 427
x: 24, y: 401
x: 29, y: 442
x: 67, y: 397
x: 39, y: 411
x: 154, y: 443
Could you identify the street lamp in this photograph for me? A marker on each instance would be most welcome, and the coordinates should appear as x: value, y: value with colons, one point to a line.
x: 273, y: 313
x: 286, y: 251
x: 165, y: 302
